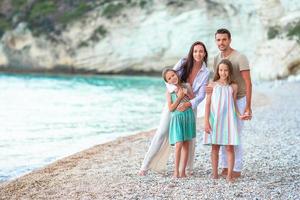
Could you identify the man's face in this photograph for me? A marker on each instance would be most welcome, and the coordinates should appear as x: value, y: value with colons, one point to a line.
x: 222, y: 41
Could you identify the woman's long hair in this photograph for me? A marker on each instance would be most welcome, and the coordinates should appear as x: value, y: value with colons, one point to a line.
x: 189, y: 63
x: 230, y: 69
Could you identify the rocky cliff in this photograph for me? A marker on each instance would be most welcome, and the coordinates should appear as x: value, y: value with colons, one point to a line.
x: 101, y: 36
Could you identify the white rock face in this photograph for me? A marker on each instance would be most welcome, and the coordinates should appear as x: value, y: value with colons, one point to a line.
x: 273, y: 63
x: 148, y: 40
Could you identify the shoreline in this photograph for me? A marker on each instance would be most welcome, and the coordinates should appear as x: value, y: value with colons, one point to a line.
x: 109, y: 170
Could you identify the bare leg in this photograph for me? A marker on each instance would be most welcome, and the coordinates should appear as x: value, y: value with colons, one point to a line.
x: 185, y: 156
x: 178, y: 147
x: 230, y: 161
x: 214, y: 160
x: 238, y: 150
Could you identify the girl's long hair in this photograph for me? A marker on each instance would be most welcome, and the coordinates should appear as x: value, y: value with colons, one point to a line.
x: 189, y: 63
x: 166, y: 70
x: 230, y: 69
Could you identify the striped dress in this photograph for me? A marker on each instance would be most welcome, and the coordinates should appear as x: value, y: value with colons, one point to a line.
x: 222, y: 118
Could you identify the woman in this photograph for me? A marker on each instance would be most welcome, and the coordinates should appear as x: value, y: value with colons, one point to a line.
x: 191, y: 70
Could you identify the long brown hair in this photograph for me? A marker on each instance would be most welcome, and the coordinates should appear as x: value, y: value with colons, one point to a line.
x: 230, y: 69
x: 166, y: 70
x: 189, y: 63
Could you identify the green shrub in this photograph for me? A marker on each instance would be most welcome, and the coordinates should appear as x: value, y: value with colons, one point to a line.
x: 83, y: 44
x: 273, y: 31
x: 78, y: 12
x: 294, y: 32
x: 4, y: 24
x: 42, y: 9
x: 18, y: 3
x: 143, y: 3
x: 112, y: 10
x: 99, y: 33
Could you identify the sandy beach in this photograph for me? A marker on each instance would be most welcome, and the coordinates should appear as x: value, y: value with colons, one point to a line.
x: 109, y: 171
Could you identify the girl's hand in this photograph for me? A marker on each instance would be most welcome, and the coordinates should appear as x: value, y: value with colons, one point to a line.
x: 180, y: 93
x: 241, y: 117
x: 207, y: 127
x: 208, y: 89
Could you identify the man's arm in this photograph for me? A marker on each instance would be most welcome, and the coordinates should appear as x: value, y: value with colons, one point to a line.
x: 247, y: 78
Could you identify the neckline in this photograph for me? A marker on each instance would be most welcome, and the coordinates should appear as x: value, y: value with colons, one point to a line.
x: 227, y: 84
x: 201, y: 69
x: 228, y: 56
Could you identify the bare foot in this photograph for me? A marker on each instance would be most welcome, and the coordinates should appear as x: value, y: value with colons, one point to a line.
x: 142, y: 173
x: 176, y: 175
x: 224, y: 172
x: 215, y: 176
x: 236, y: 174
x: 183, y: 175
x: 230, y: 179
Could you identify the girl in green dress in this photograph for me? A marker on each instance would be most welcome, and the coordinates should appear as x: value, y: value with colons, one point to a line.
x: 183, y: 124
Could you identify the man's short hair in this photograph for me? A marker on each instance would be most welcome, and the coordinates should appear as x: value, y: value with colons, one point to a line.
x: 223, y: 31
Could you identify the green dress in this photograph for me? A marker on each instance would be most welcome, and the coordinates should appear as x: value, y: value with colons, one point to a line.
x: 182, y: 124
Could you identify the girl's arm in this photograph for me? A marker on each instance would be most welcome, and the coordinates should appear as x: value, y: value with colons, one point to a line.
x: 207, y: 126
x: 173, y: 105
x: 235, y: 89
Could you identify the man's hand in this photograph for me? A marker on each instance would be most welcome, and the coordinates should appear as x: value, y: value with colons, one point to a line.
x: 247, y: 114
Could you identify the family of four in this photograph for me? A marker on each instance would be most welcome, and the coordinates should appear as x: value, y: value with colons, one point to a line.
x: 228, y: 104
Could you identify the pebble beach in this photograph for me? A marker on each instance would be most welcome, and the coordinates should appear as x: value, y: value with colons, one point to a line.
x: 109, y: 171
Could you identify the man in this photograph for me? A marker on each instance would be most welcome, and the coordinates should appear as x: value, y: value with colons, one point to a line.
x: 241, y: 75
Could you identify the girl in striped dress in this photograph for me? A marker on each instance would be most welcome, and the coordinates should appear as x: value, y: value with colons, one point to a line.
x: 221, y: 114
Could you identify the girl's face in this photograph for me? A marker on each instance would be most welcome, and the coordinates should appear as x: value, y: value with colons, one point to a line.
x: 198, y: 53
x: 172, y: 77
x: 223, y: 72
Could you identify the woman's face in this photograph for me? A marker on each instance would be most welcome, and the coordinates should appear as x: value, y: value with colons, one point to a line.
x: 172, y: 77
x: 198, y: 53
x: 223, y: 72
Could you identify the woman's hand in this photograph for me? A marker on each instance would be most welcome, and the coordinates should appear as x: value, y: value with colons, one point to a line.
x: 183, y: 106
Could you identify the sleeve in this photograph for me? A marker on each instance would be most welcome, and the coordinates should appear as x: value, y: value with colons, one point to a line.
x: 179, y: 64
x: 200, y: 95
x: 215, y: 64
x: 243, y: 63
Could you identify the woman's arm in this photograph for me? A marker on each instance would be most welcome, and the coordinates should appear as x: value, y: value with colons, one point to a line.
x: 173, y: 105
x: 190, y: 93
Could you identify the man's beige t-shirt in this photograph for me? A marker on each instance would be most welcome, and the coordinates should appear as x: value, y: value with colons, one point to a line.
x: 239, y: 63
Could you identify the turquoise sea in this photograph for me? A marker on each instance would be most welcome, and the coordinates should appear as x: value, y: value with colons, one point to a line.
x: 46, y: 117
